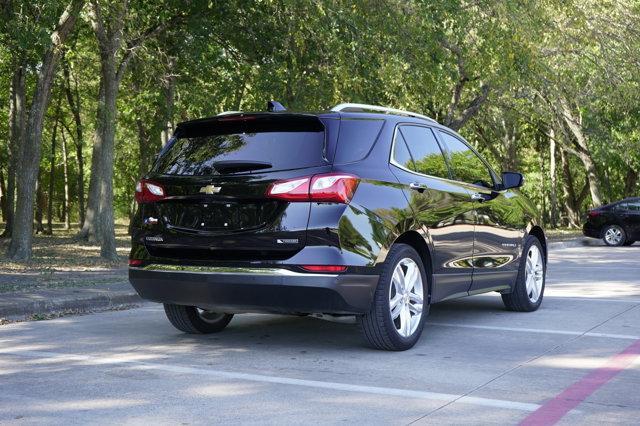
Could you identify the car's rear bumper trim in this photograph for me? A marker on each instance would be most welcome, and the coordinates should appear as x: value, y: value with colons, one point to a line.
x: 255, y: 290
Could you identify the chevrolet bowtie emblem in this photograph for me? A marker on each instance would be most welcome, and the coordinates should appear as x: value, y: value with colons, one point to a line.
x: 210, y: 189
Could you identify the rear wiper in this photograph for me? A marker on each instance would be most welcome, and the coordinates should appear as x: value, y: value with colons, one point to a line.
x: 235, y: 166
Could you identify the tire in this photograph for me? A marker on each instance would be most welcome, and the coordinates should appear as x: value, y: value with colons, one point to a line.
x: 629, y: 243
x: 379, y: 329
x: 614, y: 236
x: 190, y: 319
x: 522, y: 298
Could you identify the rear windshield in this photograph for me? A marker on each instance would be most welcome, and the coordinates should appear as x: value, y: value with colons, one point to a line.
x: 274, y: 143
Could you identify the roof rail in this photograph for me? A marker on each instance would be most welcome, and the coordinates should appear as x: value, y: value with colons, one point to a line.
x: 364, y: 107
x: 229, y: 112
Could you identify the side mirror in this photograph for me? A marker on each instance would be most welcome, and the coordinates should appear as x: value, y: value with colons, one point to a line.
x: 512, y: 180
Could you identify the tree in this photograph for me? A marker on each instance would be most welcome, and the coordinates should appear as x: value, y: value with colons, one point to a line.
x: 30, y: 152
x: 116, y: 47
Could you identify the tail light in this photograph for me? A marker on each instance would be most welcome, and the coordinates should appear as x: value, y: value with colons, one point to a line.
x: 148, y: 192
x: 135, y: 262
x: 593, y: 213
x: 328, y: 188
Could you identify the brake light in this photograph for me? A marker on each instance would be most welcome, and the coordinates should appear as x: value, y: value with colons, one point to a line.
x: 290, y: 189
x: 327, y: 188
x: 324, y: 268
x: 148, y: 192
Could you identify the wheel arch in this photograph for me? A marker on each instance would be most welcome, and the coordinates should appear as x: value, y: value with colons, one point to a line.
x: 417, y: 241
x: 538, y: 232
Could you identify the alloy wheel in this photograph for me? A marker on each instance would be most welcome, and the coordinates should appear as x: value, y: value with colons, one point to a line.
x: 534, y: 273
x: 208, y: 316
x: 613, y: 236
x: 405, y: 297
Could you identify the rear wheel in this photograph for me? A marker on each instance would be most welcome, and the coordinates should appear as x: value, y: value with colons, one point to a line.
x: 400, y: 303
x: 529, y: 288
x: 614, y: 236
x: 191, y: 319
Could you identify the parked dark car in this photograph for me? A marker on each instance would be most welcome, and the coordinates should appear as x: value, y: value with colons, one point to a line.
x: 361, y: 210
x: 618, y: 224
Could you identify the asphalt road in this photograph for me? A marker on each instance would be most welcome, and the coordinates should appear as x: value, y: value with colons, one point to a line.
x: 577, y: 360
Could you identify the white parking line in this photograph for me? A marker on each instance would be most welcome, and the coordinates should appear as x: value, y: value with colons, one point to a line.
x: 346, y: 387
x: 535, y: 330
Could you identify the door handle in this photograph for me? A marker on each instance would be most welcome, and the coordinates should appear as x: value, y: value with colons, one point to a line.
x: 476, y: 196
x: 418, y: 186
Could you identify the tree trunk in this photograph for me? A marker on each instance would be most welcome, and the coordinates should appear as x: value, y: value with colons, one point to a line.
x: 65, y: 172
x: 88, y: 230
x: 22, y: 233
x: 631, y: 183
x: 73, y: 99
x: 573, y: 215
x: 553, y: 196
x: 3, y: 195
x: 105, y: 138
x: 584, y: 154
x: 40, y: 205
x: 17, y: 121
x: 52, y: 171
x: 169, y: 101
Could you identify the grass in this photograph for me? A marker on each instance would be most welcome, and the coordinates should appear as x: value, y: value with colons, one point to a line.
x: 59, y: 261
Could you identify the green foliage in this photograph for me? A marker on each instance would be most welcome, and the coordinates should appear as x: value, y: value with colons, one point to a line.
x: 496, y: 70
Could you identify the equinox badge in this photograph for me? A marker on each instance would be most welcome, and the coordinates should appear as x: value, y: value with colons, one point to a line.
x: 210, y: 189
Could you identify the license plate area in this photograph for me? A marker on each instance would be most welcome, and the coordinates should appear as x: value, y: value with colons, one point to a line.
x: 219, y: 216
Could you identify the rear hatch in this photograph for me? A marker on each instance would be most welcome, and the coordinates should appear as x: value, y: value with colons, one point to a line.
x: 215, y: 174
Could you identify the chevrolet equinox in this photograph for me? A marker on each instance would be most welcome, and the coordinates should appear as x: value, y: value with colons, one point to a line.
x: 361, y: 210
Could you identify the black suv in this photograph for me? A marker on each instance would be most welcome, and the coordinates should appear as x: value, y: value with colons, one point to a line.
x: 618, y: 224
x: 361, y: 210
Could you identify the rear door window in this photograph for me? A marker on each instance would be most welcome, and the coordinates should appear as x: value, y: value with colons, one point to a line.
x: 274, y: 143
x: 427, y: 156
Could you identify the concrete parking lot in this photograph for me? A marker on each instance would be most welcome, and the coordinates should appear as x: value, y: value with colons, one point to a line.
x: 576, y: 360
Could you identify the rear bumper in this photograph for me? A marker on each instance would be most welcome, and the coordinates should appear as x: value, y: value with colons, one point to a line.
x: 235, y: 290
x: 591, y: 231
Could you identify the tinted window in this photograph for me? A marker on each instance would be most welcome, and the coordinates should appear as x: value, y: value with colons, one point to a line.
x: 284, y: 144
x: 465, y: 164
x: 620, y: 207
x: 424, y: 149
x: 633, y: 206
x: 356, y: 139
x: 401, y: 154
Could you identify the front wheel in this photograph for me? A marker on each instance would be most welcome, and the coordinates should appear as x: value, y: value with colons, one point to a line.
x: 400, y: 304
x: 529, y: 288
x: 193, y: 320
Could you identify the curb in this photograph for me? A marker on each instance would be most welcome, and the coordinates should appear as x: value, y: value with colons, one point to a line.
x: 16, y: 306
